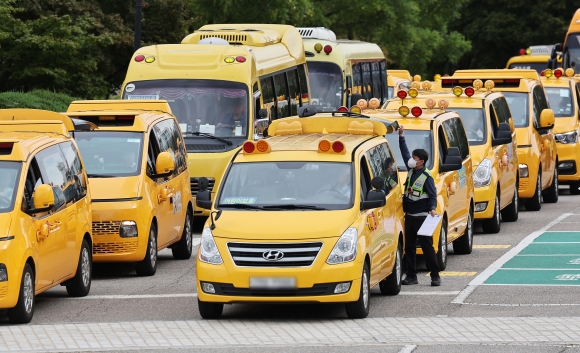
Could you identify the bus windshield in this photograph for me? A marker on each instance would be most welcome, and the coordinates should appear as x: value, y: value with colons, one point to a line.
x: 326, y: 85
x: 573, y: 52
x: 414, y: 139
x: 9, y: 176
x: 560, y: 100
x: 110, y: 153
x: 218, y: 108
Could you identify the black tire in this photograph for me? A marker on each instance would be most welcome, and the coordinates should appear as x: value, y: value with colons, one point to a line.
x: 464, y: 244
x: 209, y: 310
x: 535, y: 203
x: 493, y: 224
x: 551, y: 193
x: 24, y: 309
x: 511, y: 212
x: 575, y: 188
x: 80, y: 284
x: 442, y: 247
x: 148, y: 266
x: 360, y: 308
x: 184, y: 247
x: 392, y: 284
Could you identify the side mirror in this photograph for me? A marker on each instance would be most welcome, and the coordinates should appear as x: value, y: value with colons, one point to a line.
x: 306, y: 110
x: 263, y: 113
x: 203, y: 199
x: 375, y: 198
x: 452, y: 160
x: 547, y: 119
x: 202, y: 183
x: 43, y: 198
x: 164, y: 165
x: 504, y: 135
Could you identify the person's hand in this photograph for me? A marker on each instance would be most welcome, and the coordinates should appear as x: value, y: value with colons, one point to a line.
x: 401, y: 130
x: 433, y: 213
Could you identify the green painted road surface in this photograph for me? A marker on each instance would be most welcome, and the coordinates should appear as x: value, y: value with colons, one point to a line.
x: 551, y: 259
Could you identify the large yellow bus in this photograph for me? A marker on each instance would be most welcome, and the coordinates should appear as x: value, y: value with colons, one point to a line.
x: 342, y: 71
x: 571, y: 48
x: 535, y: 57
x: 219, y: 82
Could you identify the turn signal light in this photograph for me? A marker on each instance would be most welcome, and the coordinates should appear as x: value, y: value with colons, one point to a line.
x: 318, y: 47
x: 327, y: 49
x: 249, y: 147
x: 558, y: 73
x: 261, y: 146
x: 139, y: 58
x: 402, y: 94
x: 149, y: 59
x: 338, y: 147
x: 457, y: 91
x: 324, y: 146
x: 404, y: 111
x: 413, y: 92
x: 469, y: 91
x: 342, y: 109
x: 416, y: 111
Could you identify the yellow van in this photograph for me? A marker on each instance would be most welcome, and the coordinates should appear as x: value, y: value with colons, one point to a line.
x: 441, y: 134
x: 534, y: 121
x: 137, y: 167
x: 45, y: 215
x: 219, y: 81
x: 339, y: 69
x: 535, y: 57
x: 564, y: 98
x: 492, y: 143
x: 398, y: 80
x: 304, y: 216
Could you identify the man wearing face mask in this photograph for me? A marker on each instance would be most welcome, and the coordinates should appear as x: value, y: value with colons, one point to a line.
x: 419, y: 202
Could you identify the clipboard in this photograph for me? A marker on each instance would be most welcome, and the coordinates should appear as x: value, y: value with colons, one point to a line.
x: 429, y: 226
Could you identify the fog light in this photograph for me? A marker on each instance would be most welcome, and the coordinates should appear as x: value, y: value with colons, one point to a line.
x: 128, y: 229
x: 566, y: 165
x: 524, y: 172
x: 342, y: 288
x: 480, y: 206
x: 207, y: 287
x: 3, y: 273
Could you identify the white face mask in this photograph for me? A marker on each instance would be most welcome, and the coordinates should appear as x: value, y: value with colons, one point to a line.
x: 411, y: 163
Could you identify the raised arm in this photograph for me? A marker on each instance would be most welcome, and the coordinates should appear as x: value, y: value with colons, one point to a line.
x: 403, y: 146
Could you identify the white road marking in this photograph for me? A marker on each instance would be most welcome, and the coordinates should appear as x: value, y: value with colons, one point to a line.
x: 489, y: 271
x: 408, y: 349
x: 453, y: 292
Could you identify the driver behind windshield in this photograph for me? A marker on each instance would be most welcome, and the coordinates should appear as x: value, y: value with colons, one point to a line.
x: 341, y: 188
x: 237, y: 116
x: 473, y: 129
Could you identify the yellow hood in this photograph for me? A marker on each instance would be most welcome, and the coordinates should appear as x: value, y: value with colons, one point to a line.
x: 114, y: 188
x: 281, y: 225
x: 565, y: 124
x: 478, y: 153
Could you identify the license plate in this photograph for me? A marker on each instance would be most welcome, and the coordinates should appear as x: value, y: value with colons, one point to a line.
x: 273, y: 282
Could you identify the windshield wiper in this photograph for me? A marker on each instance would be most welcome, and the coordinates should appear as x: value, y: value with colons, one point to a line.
x: 296, y: 207
x: 226, y: 141
x: 101, y: 176
x: 240, y: 205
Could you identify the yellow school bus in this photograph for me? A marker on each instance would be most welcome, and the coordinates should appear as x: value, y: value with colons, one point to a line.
x: 535, y: 57
x: 219, y: 82
x: 339, y: 69
x: 397, y: 80
x: 570, y: 57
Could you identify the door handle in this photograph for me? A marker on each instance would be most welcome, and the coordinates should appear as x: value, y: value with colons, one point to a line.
x: 164, y: 193
x: 46, y: 228
x: 379, y: 215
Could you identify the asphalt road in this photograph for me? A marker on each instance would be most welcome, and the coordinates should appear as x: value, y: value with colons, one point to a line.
x: 118, y: 295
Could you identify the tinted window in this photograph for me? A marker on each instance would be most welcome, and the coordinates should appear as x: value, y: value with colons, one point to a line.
x: 383, y: 66
x: 78, y: 189
x: 529, y: 66
x: 414, y: 139
x: 9, y: 178
x: 542, y: 103
x: 473, y: 121
x: 383, y: 165
x: 294, y: 86
x: 303, y: 84
x: 367, y: 82
x: 502, y: 109
x: 169, y: 140
x: 518, y: 104
x: 281, y: 90
x: 560, y: 100
x: 357, y: 79
x: 268, y: 96
x: 456, y: 136
x: 55, y: 172
x: 376, y: 78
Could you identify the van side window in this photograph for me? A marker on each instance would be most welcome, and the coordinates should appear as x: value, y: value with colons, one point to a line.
x: 169, y: 140
x: 152, y: 153
x: 281, y: 91
x: 502, y: 109
x: 55, y: 172
x: 540, y: 103
x: 577, y: 89
x: 442, y: 145
x: 294, y: 86
x: 494, y: 120
x: 456, y: 136
x: 304, y: 96
x: 33, y: 180
x: 78, y: 190
x: 365, y: 179
x: 257, y: 105
x: 268, y: 96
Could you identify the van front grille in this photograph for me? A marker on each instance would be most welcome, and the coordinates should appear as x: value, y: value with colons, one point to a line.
x: 114, y: 248
x: 194, y: 184
x: 106, y: 228
x: 3, y: 291
x: 256, y: 254
x: 524, y: 184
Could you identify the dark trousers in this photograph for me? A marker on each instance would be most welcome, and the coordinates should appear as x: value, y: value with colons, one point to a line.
x: 412, y: 225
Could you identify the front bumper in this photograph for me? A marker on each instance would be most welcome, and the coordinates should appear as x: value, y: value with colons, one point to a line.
x: 486, y: 197
x: 568, y: 161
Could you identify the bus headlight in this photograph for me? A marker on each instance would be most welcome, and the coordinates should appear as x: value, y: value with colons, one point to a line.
x: 345, y: 248
x: 482, y: 175
x: 208, y: 250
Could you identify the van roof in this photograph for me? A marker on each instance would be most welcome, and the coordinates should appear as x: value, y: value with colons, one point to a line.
x: 24, y: 115
x: 17, y: 145
x: 499, y: 73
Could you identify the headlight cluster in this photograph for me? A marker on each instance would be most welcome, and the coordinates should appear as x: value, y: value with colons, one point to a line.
x: 567, y: 137
x: 208, y: 250
x: 345, y: 248
x: 482, y: 175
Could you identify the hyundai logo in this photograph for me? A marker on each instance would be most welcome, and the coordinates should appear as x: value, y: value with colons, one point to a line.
x: 273, y: 255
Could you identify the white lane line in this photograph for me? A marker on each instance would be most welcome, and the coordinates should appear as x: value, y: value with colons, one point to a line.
x: 558, y: 255
x: 408, y: 349
x: 454, y: 292
x: 539, y: 269
x: 497, y: 264
x: 557, y: 242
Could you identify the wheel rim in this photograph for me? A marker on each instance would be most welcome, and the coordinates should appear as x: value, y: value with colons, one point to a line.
x: 153, y: 248
x: 365, y: 290
x: 85, y: 267
x: 539, y: 189
x: 469, y: 229
x: 497, y: 210
x: 443, y: 241
x: 398, y: 269
x: 516, y: 199
x: 28, y: 292
x: 556, y: 179
x: 188, y: 233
